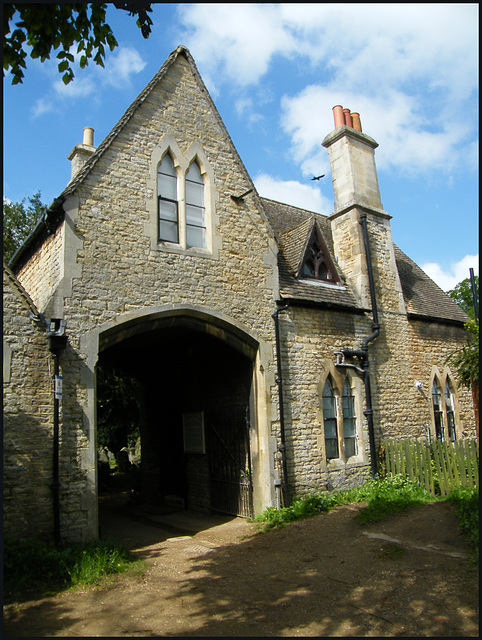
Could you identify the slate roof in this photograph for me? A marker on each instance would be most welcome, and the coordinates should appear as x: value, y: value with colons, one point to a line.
x: 423, y: 298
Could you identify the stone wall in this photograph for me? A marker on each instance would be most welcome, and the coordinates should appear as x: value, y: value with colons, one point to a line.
x: 27, y: 419
x: 47, y: 261
x: 406, y: 351
x: 309, y: 339
x: 114, y: 271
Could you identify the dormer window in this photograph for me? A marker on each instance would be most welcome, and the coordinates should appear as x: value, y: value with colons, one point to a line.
x: 316, y: 262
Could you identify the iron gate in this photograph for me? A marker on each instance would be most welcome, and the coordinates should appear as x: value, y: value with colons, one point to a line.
x: 229, y: 457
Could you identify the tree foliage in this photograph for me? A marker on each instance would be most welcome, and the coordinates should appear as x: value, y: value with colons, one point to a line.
x: 39, y: 29
x: 117, y: 409
x: 462, y: 295
x: 465, y: 360
x: 18, y: 222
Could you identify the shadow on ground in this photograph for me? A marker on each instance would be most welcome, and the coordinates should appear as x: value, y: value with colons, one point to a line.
x: 318, y: 577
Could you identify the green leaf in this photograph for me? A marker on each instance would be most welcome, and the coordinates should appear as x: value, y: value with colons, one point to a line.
x: 67, y: 77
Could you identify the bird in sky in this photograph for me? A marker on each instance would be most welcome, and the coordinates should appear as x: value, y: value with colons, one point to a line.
x: 318, y: 177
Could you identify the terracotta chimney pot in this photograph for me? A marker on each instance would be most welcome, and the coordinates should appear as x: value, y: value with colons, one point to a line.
x: 347, y: 116
x: 88, y: 137
x: 356, y: 121
x: 338, y: 116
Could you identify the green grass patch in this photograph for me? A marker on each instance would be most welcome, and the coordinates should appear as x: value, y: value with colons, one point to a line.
x: 384, y: 496
x: 466, y: 502
x: 33, y: 566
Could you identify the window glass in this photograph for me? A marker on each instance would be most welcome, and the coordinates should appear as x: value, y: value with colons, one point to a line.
x: 168, y: 231
x: 329, y: 419
x: 167, y: 198
x: 195, y: 213
x: 195, y: 237
x: 437, y: 410
x: 349, y: 420
x: 449, y: 406
x: 167, y: 179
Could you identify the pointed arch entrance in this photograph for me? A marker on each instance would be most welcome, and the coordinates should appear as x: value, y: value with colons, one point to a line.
x: 196, y: 405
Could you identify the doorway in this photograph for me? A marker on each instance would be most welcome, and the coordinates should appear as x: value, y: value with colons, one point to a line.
x: 195, y: 385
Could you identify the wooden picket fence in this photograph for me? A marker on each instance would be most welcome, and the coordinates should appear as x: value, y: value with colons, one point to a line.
x: 439, y: 466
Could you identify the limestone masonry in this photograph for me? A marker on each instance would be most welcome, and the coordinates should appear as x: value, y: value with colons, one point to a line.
x: 166, y: 264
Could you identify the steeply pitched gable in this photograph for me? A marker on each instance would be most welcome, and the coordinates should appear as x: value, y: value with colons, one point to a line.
x: 293, y: 228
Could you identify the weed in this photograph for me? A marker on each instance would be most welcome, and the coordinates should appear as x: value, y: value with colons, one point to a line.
x: 392, y: 551
x: 383, y: 495
x: 390, y: 495
x: 30, y: 565
x: 466, y: 502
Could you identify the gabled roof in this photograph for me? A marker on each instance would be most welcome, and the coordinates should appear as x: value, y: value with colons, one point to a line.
x: 293, y: 227
x: 20, y: 292
x: 55, y: 213
x: 293, y: 244
x: 424, y: 298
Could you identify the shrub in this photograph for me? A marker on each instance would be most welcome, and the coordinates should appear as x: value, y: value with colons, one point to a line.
x: 466, y: 502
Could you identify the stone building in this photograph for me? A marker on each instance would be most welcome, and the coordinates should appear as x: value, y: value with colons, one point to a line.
x: 273, y: 346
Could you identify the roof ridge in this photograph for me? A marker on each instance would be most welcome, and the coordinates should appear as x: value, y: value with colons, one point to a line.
x: 292, y: 206
x: 126, y: 116
x: 20, y: 289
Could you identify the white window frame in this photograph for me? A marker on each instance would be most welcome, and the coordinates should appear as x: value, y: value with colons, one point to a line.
x: 182, y: 162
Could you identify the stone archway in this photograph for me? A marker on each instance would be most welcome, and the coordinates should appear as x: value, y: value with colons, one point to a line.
x: 198, y: 406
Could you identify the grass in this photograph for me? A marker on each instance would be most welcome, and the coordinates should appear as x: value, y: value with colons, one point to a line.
x: 33, y: 566
x: 466, y: 502
x: 383, y: 496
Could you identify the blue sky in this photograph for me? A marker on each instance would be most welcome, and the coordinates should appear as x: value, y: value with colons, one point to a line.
x: 275, y: 71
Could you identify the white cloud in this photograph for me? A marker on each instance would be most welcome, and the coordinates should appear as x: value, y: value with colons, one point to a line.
x: 458, y: 271
x: 394, y: 120
x: 117, y: 73
x: 41, y: 106
x: 409, y: 69
x: 234, y: 40
x: 79, y: 87
x: 293, y: 193
x: 120, y: 66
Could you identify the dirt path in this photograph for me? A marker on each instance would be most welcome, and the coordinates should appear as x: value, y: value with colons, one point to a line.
x: 324, y: 576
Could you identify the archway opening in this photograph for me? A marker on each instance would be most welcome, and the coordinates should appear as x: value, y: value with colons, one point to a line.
x: 194, y: 396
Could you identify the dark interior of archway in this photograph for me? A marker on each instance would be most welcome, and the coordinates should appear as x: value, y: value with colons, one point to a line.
x: 180, y: 370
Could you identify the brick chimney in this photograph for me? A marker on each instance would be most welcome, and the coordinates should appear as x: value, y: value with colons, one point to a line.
x: 81, y: 152
x: 356, y: 191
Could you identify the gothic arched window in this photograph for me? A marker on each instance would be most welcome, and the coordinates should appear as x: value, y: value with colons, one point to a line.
x: 168, y: 201
x: 437, y: 410
x: 330, y: 421
x: 349, y: 420
x: 195, y: 208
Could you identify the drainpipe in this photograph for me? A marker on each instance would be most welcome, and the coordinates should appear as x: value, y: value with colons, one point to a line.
x: 279, y: 382
x: 362, y: 353
x: 57, y: 341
